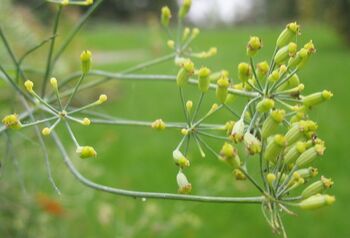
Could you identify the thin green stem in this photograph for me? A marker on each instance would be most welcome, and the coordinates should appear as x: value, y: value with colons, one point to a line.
x: 284, y: 80
x: 51, y: 49
x: 252, y: 123
x: 187, y: 146
x: 44, y: 102
x: 55, y: 124
x: 262, y: 174
x: 286, y: 181
x: 75, y: 90
x: 197, y: 107
x: 38, y: 122
x: 83, y: 108
x: 231, y: 110
x: 183, y: 105
x: 151, y: 77
x: 14, y: 85
x: 71, y: 134
x: 43, y: 149
x: 181, y: 142
x: 126, y: 122
x: 8, y: 47
x: 272, y: 66
x: 289, y: 99
x: 252, y: 180
x: 205, y: 117
x: 148, y: 63
x: 255, y: 75
x: 22, y: 58
x: 201, y: 151
x: 211, y: 150
x: 137, y: 194
x: 213, y: 136
x: 75, y: 30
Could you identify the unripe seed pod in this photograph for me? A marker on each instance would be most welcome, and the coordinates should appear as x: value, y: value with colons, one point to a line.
x: 294, y: 152
x: 270, y: 177
x: 182, y: 77
x: 274, y: 76
x: 217, y: 75
x: 184, y: 186
x: 86, y: 121
x: 317, y: 187
x: 186, y: 33
x: 252, y: 144
x: 237, y: 131
x: 316, y: 201
x: 254, y: 44
x: 12, y: 121
x: 297, y: 117
x: 213, y: 108
x: 185, y: 8
x: 295, y: 61
x: 311, y: 125
x: 165, y: 16
x: 295, y: 181
x: 203, y: 79
x: 180, y: 159
x: 310, y: 48
x: 229, y: 154
x: 285, y: 52
x: 272, y: 122
x: 85, y: 59
x: 195, y: 32
x: 46, y: 131
x: 53, y: 82
x: 185, y: 72
x: 244, y: 72
x: 265, y: 105
x: 102, y: 98
x: 239, y: 175
x: 230, y: 99
x: 184, y: 131
x: 229, y: 126
x: 310, y: 155
x: 262, y: 69
x: 158, y: 124
x: 294, y: 92
x: 288, y: 34
x: 296, y: 132
x: 307, y: 173
x: 274, y: 148
x: 222, y: 89
x: 282, y: 69
x: 316, y: 98
x: 171, y: 44
x: 293, y: 81
x: 29, y: 85
x: 189, y: 105
x: 85, y: 152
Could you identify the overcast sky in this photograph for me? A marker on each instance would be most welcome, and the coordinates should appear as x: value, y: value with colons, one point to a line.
x: 211, y: 12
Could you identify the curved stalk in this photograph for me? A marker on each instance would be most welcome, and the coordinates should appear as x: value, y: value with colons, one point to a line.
x: 142, y: 195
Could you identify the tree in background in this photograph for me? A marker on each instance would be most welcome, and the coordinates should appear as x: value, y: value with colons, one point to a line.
x: 120, y: 9
x: 335, y: 12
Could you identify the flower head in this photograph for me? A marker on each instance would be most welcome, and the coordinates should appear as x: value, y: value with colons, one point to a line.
x: 85, y: 152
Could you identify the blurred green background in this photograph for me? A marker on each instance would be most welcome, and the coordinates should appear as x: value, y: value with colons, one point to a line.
x: 140, y: 158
